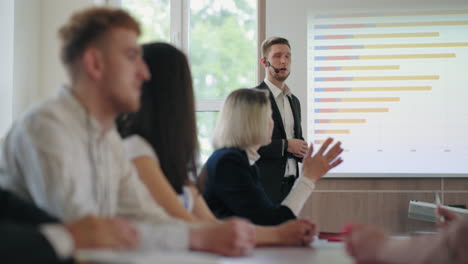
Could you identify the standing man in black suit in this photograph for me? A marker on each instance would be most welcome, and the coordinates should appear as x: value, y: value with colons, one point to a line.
x: 278, y: 161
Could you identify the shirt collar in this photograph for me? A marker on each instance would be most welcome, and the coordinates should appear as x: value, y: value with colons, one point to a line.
x: 81, y: 113
x: 252, y: 155
x: 275, y: 90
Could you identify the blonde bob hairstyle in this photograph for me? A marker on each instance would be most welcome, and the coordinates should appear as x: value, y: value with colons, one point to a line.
x: 244, y: 120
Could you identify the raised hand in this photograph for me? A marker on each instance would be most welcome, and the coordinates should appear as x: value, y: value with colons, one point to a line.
x: 315, y: 167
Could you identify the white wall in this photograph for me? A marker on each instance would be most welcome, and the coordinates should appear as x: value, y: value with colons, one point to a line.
x: 38, y: 71
x: 26, y: 54
x: 290, y: 21
x: 6, y: 69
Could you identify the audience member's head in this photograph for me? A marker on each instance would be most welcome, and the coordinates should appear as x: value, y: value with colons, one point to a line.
x: 101, y: 54
x: 244, y: 121
x: 166, y: 118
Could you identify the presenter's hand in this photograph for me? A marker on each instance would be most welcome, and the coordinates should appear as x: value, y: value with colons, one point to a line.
x: 314, y: 167
x: 233, y: 237
x: 298, y: 232
x: 297, y: 147
x: 364, y: 243
x: 97, y: 232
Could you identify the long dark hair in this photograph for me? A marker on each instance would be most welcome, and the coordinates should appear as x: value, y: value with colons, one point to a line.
x: 166, y: 118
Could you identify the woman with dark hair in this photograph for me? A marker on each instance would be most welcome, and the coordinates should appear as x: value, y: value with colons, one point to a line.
x: 161, y: 141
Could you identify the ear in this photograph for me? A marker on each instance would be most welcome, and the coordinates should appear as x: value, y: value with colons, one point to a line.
x: 263, y: 62
x: 93, y: 63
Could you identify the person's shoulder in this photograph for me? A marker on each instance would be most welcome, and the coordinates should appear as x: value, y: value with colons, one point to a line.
x: 227, y: 155
x: 136, y: 146
x: 261, y: 85
x: 135, y: 141
x: 40, y: 116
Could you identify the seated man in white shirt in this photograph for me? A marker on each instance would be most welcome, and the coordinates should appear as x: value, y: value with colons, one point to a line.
x: 66, y: 156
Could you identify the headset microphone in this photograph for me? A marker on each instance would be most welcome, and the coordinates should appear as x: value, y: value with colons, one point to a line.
x: 269, y: 65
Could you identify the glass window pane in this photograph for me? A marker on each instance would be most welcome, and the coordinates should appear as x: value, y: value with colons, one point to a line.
x: 223, y: 52
x: 206, y: 122
x: 154, y: 17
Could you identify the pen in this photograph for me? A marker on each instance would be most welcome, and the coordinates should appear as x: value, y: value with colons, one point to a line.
x: 437, y: 200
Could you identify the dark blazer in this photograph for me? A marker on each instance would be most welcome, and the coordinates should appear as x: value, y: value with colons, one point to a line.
x: 20, y: 238
x: 273, y: 158
x: 233, y: 188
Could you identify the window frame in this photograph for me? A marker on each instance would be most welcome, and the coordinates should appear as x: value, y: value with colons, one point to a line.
x: 180, y: 37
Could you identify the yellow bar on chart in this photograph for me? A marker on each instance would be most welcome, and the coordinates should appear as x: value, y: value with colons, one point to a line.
x: 407, y: 56
x: 362, y: 110
x: 397, y: 35
x: 369, y: 68
x: 423, y: 24
x: 372, y: 99
x: 391, y: 89
x: 340, y: 121
x: 334, y: 131
x: 396, y: 78
x: 417, y: 45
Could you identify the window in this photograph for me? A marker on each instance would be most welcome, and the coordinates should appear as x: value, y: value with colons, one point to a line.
x: 223, y: 57
x: 154, y: 17
x: 220, y: 39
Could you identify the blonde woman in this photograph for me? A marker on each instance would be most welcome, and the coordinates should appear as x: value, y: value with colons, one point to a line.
x: 161, y: 141
x: 232, y: 186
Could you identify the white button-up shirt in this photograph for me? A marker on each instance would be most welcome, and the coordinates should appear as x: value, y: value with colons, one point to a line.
x: 60, y: 158
x: 288, y: 119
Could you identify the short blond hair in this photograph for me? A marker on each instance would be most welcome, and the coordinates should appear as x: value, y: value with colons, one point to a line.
x: 244, y: 120
x: 87, y: 26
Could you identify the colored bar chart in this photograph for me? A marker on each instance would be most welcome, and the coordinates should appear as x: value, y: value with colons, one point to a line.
x: 392, y: 87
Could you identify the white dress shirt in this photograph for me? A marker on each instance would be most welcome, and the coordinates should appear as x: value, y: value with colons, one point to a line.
x: 59, y: 157
x: 288, y: 119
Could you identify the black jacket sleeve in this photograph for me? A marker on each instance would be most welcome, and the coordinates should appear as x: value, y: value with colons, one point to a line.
x: 19, y: 211
x: 20, y: 238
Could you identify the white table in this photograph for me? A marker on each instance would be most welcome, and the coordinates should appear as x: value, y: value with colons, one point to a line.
x: 321, y: 252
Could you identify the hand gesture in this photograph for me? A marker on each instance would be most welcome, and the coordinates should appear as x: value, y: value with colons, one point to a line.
x: 314, y: 167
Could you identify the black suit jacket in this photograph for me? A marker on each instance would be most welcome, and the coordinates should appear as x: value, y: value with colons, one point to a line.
x: 273, y: 158
x: 20, y: 238
x: 233, y: 188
